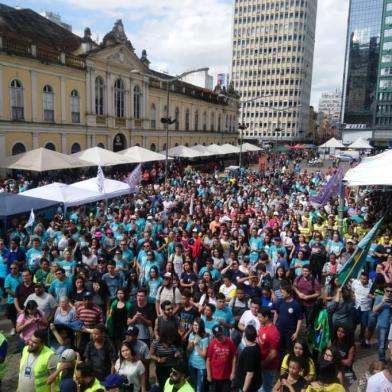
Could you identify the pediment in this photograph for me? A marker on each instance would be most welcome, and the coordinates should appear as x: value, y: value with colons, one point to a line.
x: 119, y: 55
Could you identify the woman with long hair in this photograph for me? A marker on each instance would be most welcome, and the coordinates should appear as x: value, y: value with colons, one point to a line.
x: 292, y: 381
x: 132, y: 368
x: 197, y: 350
x: 327, y: 379
x: 207, y: 298
x: 300, y: 349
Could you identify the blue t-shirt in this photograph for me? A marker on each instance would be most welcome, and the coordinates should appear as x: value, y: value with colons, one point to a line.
x: 11, y: 283
x: 384, y: 314
x: 153, y: 285
x: 288, y: 315
x: 33, y: 257
x: 60, y: 289
x: 69, y: 267
x: 209, y: 324
x: 113, y: 283
x: 195, y: 359
x: 256, y: 244
x: 3, y: 267
x: 225, y: 315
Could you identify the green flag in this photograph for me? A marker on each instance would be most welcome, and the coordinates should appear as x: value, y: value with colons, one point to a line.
x: 356, y: 262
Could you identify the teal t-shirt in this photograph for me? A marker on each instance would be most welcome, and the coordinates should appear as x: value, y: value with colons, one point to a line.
x: 195, y: 359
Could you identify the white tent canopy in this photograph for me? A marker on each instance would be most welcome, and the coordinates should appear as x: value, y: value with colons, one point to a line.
x: 138, y: 154
x: 217, y: 150
x: 62, y: 193
x: 361, y: 144
x: 202, y: 150
x: 373, y: 172
x: 42, y: 159
x: 100, y: 157
x: 111, y: 188
x: 248, y: 147
x: 183, y: 152
x: 230, y: 149
x: 332, y: 143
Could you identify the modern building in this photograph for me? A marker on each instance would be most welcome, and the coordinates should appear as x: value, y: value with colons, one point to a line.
x: 223, y: 80
x: 272, y: 57
x: 201, y: 79
x: 359, y: 100
x: 69, y: 93
x: 330, y: 104
x: 56, y: 18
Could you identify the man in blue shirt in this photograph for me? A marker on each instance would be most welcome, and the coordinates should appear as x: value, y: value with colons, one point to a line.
x: 12, y: 281
x: 223, y: 314
x: 15, y: 255
x: 209, y: 267
x: 113, y: 279
x: 382, y: 306
x: 61, y: 286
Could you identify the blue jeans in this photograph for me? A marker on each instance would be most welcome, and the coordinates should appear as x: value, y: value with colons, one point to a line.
x: 199, y: 379
x: 382, y: 335
x: 268, y: 380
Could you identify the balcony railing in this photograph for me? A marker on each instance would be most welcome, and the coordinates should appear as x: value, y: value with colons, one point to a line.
x: 49, y: 115
x: 17, y: 113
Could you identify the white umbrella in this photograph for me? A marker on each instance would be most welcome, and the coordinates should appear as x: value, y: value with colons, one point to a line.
x: 111, y: 188
x: 42, y: 159
x: 202, y: 150
x: 332, y: 143
x: 100, y: 157
x: 248, y: 147
x: 138, y: 154
x: 361, y: 144
x: 217, y: 150
x: 231, y: 149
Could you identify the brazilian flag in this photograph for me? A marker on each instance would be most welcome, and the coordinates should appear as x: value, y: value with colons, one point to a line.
x: 356, y: 262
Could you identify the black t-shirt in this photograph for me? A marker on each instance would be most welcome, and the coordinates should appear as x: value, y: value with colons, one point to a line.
x: 149, y: 313
x: 101, y: 359
x: 186, y: 317
x: 250, y: 361
x: 298, y: 386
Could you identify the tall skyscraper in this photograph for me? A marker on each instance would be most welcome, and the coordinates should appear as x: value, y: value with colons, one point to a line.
x: 361, y: 68
x: 273, y: 47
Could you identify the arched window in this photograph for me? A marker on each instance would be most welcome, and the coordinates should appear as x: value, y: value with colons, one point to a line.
x: 212, y: 125
x: 119, y: 142
x: 101, y: 145
x: 187, y: 120
x: 204, y: 121
x: 99, y: 95
x: 177, y: 117
x: 186, y: 144
x: 75, y: 148
x: 119, y: 97
x: 17, y: 102
x: 153, y: 147
x: 176, y: 145
x: 50, y: 146
x: 153, y: 116
x: 18, y: 148
x: 137, y: 102
x: 48, y: 103
x: 75, y: 106
x: 219, y: 123
x: 196, y: 120
x: 164, y: 147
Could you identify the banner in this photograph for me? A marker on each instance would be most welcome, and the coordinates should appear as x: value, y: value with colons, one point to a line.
x: 134, y: 178
x: 330, y: 189
x: 100, y: 180
x: 356, y: 262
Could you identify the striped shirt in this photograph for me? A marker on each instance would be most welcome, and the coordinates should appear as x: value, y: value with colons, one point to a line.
x: 90, y: 316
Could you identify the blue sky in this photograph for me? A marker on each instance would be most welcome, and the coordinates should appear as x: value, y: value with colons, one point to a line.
x: 186, y: 34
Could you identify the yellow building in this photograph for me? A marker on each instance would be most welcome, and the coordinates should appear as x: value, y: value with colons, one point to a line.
x: 68, y: 93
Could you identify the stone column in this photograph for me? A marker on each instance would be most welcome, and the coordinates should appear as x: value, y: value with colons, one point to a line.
x: 34, y: 116
x: 63, y: 98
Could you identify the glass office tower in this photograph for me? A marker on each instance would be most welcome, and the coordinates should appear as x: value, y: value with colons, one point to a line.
x: 361, y: 63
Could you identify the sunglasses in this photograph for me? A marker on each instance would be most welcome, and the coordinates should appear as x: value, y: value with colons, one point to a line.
x: 174, y: 372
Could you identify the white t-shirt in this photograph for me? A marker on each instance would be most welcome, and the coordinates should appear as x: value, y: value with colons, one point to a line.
x: 46, y: 303
x: 248, y: 318
x: 132, y: 370
x: 361, y: 293
x: 379, y: 383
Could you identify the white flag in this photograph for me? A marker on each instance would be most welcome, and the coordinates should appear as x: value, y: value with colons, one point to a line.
x: 31, y: 220
x: 100, y: 180
x: 191, y: 206
x: 134, y: 178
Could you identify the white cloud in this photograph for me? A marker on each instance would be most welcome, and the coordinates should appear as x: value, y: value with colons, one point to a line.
x: 185, y: 34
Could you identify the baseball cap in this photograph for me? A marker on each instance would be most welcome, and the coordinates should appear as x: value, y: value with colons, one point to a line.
x: 132, y: 330
x: 217, y: 330
x: 87, y: 295
x: 276, y: 213
x: 98, y: 234
x: 277, y: 239
x: 167, y: 275
x: 114, y: 381
x: 68, y: 355
x: 39, y: 284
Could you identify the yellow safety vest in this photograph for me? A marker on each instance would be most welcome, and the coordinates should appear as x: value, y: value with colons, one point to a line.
x: 96, y: 387
x: 40, y: 368
x: 185, y: 388
x: 2, y: 364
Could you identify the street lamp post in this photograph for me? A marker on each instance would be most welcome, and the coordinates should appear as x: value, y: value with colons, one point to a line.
x: 167, y: 120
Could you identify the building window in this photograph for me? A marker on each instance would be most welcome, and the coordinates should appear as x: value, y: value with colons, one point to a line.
x: 137, y: 100
x: 386, y: 71
x: 389, y: 7
x: 153, y: 116
x: 196, y: 120
x: 387, y: 45
x: 153, y: 147
x: 388, y: 33
x: 385, y: 83
x: 388, y: 20
x: 50, y: 146
x: 212, y: 125
x: 75, y: 148
x: 119, y: 97
x: 99, y: 96
x: 187, y: 120
x: 18, y: 148
x: 177, y: 117
x: 17, y: 105
x: 75, y: 106
x: 204, y: 121
x: 48, y: 103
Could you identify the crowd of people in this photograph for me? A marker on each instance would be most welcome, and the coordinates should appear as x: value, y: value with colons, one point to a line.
x: 205, y: 283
